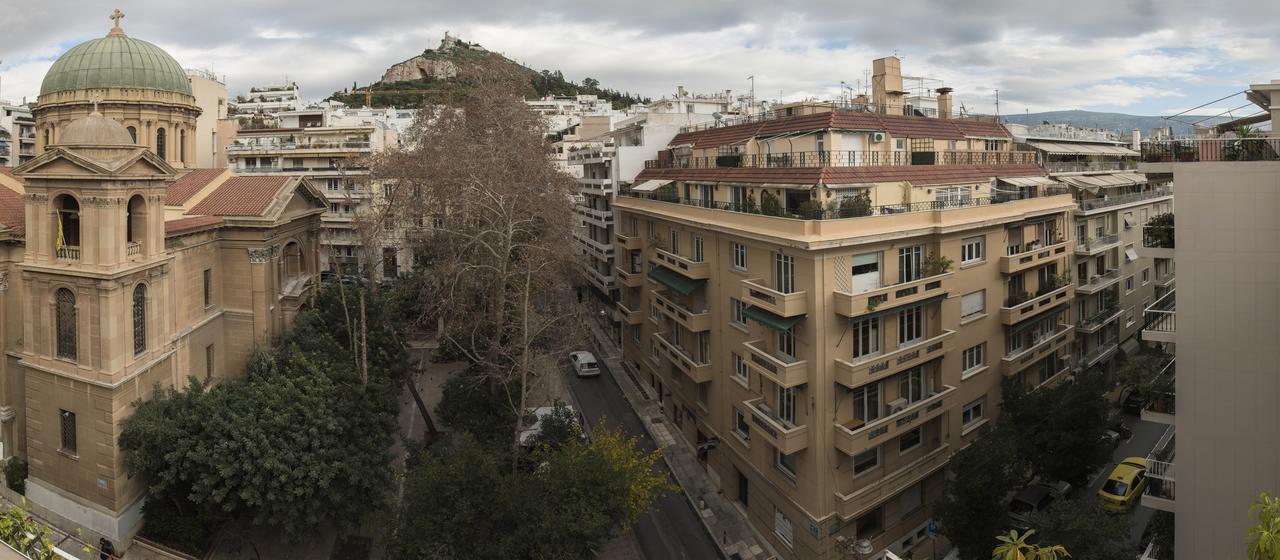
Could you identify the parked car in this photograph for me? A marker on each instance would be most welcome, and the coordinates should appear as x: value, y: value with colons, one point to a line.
x: 1131, y: 401
x: 1036, y: 497
x: 584, y: 364
x: 1124, y: 486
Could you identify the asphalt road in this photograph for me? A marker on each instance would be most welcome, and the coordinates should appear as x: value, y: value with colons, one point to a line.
x: 672, y: 530
x: 1145, y: 436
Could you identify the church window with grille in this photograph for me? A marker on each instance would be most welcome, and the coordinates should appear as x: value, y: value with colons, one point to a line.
x: 65, y: 323
x: 139, y: 319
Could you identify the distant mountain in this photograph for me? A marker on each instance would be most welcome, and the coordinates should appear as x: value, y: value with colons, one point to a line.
x: 431, y: 78
x: 1119, y: 122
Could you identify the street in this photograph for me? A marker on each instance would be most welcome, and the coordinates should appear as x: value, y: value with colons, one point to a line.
x: 672, y: 530
x: 1145, y: 436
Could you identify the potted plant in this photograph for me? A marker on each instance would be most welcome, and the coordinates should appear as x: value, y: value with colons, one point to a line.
x: 769, y: 204
x: 936, y: 264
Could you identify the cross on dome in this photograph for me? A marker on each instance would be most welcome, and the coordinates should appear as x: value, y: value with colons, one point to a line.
x: 116, y: 16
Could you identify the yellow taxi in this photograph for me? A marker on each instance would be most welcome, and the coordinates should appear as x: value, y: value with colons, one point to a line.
x: 1124, y: 486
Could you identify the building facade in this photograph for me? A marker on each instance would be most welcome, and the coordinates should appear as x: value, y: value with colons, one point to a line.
x: 213, y: 129
x: 17, y: 134
x: 268, y: 100
x: 826, y: 304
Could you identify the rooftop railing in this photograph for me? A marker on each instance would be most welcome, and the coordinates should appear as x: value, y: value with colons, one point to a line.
x: 839, y: 107
x: 1095, y: 203
x: 1211, y: 149
x: 836, y: 213
x: 844, y: 158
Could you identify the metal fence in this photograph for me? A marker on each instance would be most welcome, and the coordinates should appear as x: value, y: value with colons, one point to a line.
x: 1211, y: 149
x: 844, y: 158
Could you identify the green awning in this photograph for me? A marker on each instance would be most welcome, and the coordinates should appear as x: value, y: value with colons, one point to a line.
x: 896, y: 308
x: 672, y: 280
x: 770, y: 319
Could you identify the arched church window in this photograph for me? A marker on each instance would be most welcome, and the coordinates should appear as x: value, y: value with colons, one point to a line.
x: 67, y: 235
x: 160, y: 143
x: 182, y: 146
x: 139, y: 319
x: 65, y: 323
x: 133, y: 133
x: 135, y: 224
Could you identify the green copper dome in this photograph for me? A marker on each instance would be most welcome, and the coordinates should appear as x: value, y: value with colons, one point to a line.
x: 116, y: 60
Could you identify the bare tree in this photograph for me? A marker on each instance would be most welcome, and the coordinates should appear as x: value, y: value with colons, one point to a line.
x: 480, y: 198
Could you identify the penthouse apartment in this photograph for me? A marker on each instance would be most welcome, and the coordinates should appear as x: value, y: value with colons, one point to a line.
x: 826, y: 300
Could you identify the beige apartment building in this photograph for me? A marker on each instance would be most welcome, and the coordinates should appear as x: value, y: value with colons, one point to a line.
x: 121, y: 272
x: 786, y: 303
x: 1224, y: 332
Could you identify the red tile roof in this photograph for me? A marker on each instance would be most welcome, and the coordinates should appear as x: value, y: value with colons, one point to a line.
x: 916, y: 174
x: 183, y: 225
x: 900, y: 126
x: 8, y: 171
x: 180, y: 191
x: 241, y: 196
x: 13, y: 211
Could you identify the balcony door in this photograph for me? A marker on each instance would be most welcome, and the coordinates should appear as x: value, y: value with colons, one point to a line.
x: 866, y: 272
x: 787, y: 404
x: 784, y: 273
x: 910, y: 263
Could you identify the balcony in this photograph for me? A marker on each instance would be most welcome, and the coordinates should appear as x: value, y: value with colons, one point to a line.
x: 133, y: 249
x: 598, y: 185
x: 1018, y: 311
x: 1160, y: 492
x: 1090, y: 205
x: 1160, y: 408
x: 897, y: 295
x: 1092, y: 324
x: 628, y: 278
x: 1099, y: 354
x: 853, y: 437
x: 293, y: 147
x: 844, y: 158
x: 780, y: 369
x: 601, y: 218
x: 859, y: 501
x: 778, y: 303
x: 1034, y: 257
x: 695, y: 322
x: 601, y: 249
x: 1160, y: 319
x: 688, y: 268
x: 1047, y: 344
x: 1082, y: 166
x: 68, y: 253
x: 1095, y: 245
x: 629, y: 316
x: 1098, y: 282
x: 856, y: 373
x: 1157, y: 242
x: 787, y: 437
x: 628, y: 242
x: 1211, y: 149
x: 602, y: 281
x: 698, y: 372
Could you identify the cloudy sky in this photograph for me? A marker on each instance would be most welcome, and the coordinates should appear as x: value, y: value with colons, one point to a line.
x: 1134, y: 56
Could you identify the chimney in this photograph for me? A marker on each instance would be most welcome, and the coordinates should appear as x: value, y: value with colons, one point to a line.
x: 886, y: 84
x: 1137, y: 140
x: 944, y: 102
x: 679, y: 92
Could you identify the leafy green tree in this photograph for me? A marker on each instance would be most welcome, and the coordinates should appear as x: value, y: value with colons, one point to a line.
x: 466, y: 405
x: 1059, y: 429
x: 1015, y: 547
x: 1264, y: 537
x: 1085, y: 530
x: 559, y: 428
x: 26, y: 535
x: 973, y: 507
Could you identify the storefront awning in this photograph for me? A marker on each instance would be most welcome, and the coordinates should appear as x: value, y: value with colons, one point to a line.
x: 770, y: 319
x: 672, y: 280
x: 651, y: 185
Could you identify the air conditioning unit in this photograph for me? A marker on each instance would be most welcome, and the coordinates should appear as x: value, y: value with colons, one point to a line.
x: 897, y: 405
x: 877, y: 137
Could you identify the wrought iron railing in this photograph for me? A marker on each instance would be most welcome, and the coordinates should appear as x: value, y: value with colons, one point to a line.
x: 1095, y: 203
x: 1162, y: 315
x: 843, y: 158
x: 1211, y: 149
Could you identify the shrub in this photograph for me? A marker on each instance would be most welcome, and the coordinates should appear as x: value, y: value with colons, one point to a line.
x: 184, y: 527
x: 15, y: 475
x: 769, y: 204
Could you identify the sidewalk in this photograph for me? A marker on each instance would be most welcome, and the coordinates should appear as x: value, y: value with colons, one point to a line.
x: 723, y: 521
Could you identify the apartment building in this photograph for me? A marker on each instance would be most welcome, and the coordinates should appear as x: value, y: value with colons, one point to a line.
x: 612, y: 163
x: 214, y: 129
x: 329, y: 148
x: 270, y: 99
x: 1115, y: 280
x: 17, y: 134
x: 1224, y: 333
x: 825, y: 303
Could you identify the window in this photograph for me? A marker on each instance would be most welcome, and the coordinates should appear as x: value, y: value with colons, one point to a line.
x: 1146, y: 276
x: 1142, y: 216
x: 866, y: 403
x: 787, y: 342
x: 866, y: 461
x: 161, y: 140
x: 910, y: 500
x: 635, y: 333
x: 740, y: 426
x: 208, y: 362
x: 972, y: 250
x: 784, y: 273
x: 182, y: 146
x: 68, y: 431
x: 866, y: 337
x: 910, y: 440
x: 1128, y: 284
x: 785, y: 463
x: 65, y: 323
x: 870, y: 524
x: 207, y: 278
x: 973, y: 305
x: 737, y: 311
x: 633, y: 226
x: 652, y: 230
x: 952, y: 196
x: 133, y: 133
x: 740, y: 371
x: 910, y: 325
x: 911, y: 385
x: 675, y: 242
x: 782, y: 526
x: 866, y: 272
x: 1128, y: 220
x: 1130, y: 254
x: 653, y: 351
x: 139, y: 319
x: 973, y: 411
x: 1129, y: 315
x: 992, y: 145
x: 697, y: 249
x: 787, y: 404
x: 739, y: 255
x: 974, y: 357
x: 704, y: 391
x: 910, y: 261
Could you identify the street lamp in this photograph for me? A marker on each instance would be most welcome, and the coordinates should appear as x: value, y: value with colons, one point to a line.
x: 855, y: 550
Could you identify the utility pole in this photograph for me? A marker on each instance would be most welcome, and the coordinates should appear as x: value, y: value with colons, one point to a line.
x: 997, y: 105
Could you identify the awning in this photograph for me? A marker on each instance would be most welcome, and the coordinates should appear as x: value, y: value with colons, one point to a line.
x: 1131, y: 255
x: 897, y: 308
x: 651, y: 185
x: 770, y: 319
x: 1032, y: 181
x: 1135, y: 178
x: 1128, y: 221
x: 672, y: 280
x: 1130, y: 347
x: 1070, y: 148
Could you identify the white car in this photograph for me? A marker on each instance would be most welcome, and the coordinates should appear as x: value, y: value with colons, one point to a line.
x: 584, y: 364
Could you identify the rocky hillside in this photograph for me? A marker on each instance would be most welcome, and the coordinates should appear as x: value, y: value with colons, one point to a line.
x: 430, y: 78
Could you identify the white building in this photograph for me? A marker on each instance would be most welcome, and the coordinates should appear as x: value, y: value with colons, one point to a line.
x: 269, y: 100
x: 17, y: 134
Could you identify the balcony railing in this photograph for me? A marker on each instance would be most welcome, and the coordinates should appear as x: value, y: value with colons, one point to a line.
x: 695, y: 321
x: 1161, y: 490
x: 1158, y: 237
x: 905, y: 293
x: 68, y: 252
x: 787, y: 304
x: 1100, y: 353
x: 1039, y: 344
x: 837, y: 213
x: 1211, y: 149
x: 1098, y: 281
x: 847, y: 158
x: 779, y: 432
x: 1030, y: 255
x: 1079, y: 166
x: 133, y: 249
x: 700, y: 372
x: 868, y: 369
x: 1093, y: 245
x: 696, y: 270
x: 781, y: 369
x: 1162, y: 315
x: 855, y: 436
x: 1108, y: 201
x: 1098, y: 320
x: 298, y: 146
